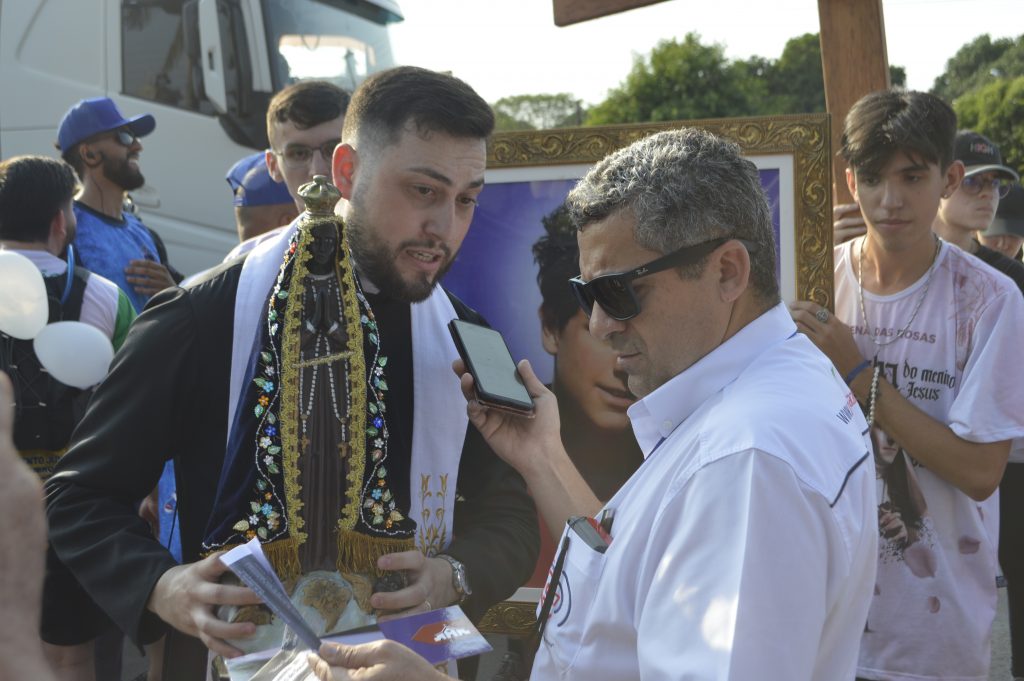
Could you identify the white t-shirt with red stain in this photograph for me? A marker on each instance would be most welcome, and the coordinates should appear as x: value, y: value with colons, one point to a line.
x: 935, y: 596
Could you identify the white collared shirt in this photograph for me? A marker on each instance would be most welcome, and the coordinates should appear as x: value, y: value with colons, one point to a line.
x: 99, y: 300
x: 744, y: 546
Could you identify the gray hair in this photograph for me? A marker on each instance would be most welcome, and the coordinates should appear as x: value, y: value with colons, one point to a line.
x: 683, y: 187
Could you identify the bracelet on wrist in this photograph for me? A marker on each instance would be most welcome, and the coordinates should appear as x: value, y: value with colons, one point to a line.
x: 856, y: 371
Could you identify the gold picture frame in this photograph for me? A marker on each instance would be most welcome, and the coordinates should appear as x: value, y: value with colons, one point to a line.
x: 797, y: 145
x: 804, y: 138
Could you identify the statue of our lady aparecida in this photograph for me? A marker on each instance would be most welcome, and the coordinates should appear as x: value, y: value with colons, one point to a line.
x: 307, y: 456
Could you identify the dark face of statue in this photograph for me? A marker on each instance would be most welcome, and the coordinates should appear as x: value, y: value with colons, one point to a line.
x: 324, y: 249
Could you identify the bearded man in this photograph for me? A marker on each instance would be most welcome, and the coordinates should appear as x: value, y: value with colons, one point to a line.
x: 103, y: 147
x: 307, y: 398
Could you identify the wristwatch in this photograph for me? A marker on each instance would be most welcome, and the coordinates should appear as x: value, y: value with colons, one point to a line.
x: 459, y: 582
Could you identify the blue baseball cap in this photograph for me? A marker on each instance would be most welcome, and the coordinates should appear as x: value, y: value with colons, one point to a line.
x: 99, y: 114
x: 252, y: 184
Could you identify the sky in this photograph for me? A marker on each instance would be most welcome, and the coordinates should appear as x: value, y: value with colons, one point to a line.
x: 511, y: 47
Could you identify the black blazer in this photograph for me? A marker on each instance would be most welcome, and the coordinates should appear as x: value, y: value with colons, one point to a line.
x: 166, y: 397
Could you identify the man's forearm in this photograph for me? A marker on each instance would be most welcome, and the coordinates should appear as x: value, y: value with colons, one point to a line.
x: 558, y: 489
x: 972, y: 467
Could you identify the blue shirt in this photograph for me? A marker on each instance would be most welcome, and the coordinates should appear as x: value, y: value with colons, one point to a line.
x: 106, y: 246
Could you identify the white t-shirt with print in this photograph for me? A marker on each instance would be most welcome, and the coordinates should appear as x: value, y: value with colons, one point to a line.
x: 935, y: 597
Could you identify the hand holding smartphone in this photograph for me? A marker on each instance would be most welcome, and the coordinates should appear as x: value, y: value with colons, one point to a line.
x: 495, y: 376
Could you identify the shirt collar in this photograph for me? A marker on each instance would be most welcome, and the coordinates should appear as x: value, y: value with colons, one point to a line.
x: 47, y: 263
x: 657, y: 415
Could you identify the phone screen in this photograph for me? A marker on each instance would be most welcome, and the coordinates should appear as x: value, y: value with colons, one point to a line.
x: 489, y: 361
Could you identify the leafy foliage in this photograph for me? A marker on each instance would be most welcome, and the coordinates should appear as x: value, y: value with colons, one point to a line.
x: 532, y: 112
x: 688, y: 79
x: 996, y: 110
x: 978, y: 63
x: 679, y: 80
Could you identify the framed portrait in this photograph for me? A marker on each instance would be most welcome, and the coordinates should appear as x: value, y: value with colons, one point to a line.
x: 528, y: 176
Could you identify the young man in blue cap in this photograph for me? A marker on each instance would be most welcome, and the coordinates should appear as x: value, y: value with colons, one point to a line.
x: 263, y: 207
x: 261, y: 202
x: 103, y: 147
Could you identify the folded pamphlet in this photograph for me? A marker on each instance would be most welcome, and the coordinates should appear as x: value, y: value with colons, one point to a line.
x: 438, y: 635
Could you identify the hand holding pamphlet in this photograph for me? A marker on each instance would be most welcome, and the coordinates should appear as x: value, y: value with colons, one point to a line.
x: 438, y: 635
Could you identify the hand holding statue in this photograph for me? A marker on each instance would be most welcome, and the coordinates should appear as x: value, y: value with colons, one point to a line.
x: 186, y: 597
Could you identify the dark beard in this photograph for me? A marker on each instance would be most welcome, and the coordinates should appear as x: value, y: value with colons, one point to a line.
x: 122, y: 174
x: 377, y: 264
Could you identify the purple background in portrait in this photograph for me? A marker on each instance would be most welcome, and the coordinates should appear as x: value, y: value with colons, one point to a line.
x: 494, y: 272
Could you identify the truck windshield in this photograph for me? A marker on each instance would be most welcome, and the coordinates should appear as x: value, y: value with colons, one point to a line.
x: 340, y: 41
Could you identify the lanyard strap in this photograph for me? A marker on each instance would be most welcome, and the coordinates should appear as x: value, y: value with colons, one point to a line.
x: 549, y: 597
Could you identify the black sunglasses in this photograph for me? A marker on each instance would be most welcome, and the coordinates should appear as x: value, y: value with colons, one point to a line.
x: 614, y: 292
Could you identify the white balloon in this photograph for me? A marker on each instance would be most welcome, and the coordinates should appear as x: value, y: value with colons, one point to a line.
x: 24, y: 309
x: 74, y: 353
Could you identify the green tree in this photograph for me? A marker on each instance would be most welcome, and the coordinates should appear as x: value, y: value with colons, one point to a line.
x: 796, y: 81
x: 678, y: 80
x: 692, y: 80
x: 897, y: 76
x: 978, y: 63
x: 532, y: 112
x: 996, y: 111
x: 504, y: 123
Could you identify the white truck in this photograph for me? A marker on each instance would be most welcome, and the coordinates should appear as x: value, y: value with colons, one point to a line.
x: 206, y: 70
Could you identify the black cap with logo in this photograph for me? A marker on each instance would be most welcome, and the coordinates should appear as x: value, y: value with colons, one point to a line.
x: 980, y: 155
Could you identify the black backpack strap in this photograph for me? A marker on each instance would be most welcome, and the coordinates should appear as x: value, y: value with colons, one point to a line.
x: 71, y: 310
x: 46, y: 409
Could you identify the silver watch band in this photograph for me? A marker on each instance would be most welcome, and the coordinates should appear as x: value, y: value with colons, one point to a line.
x: 459, y: 582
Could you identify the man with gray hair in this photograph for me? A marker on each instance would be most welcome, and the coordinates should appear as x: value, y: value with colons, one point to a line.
x: 744, y: 546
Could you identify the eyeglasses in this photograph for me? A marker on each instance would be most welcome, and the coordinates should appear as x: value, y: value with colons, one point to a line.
x: 614, y: 292
x: 300, y: 155
x: 973, y: 184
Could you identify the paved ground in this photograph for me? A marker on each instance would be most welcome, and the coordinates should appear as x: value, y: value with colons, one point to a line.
x: 134, y: 665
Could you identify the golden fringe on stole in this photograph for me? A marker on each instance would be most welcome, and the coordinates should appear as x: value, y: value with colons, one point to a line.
x: 359, y: 552
x: 283, y: 555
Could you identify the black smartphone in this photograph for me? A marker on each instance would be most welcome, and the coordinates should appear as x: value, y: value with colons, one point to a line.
x: 488, y: 359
